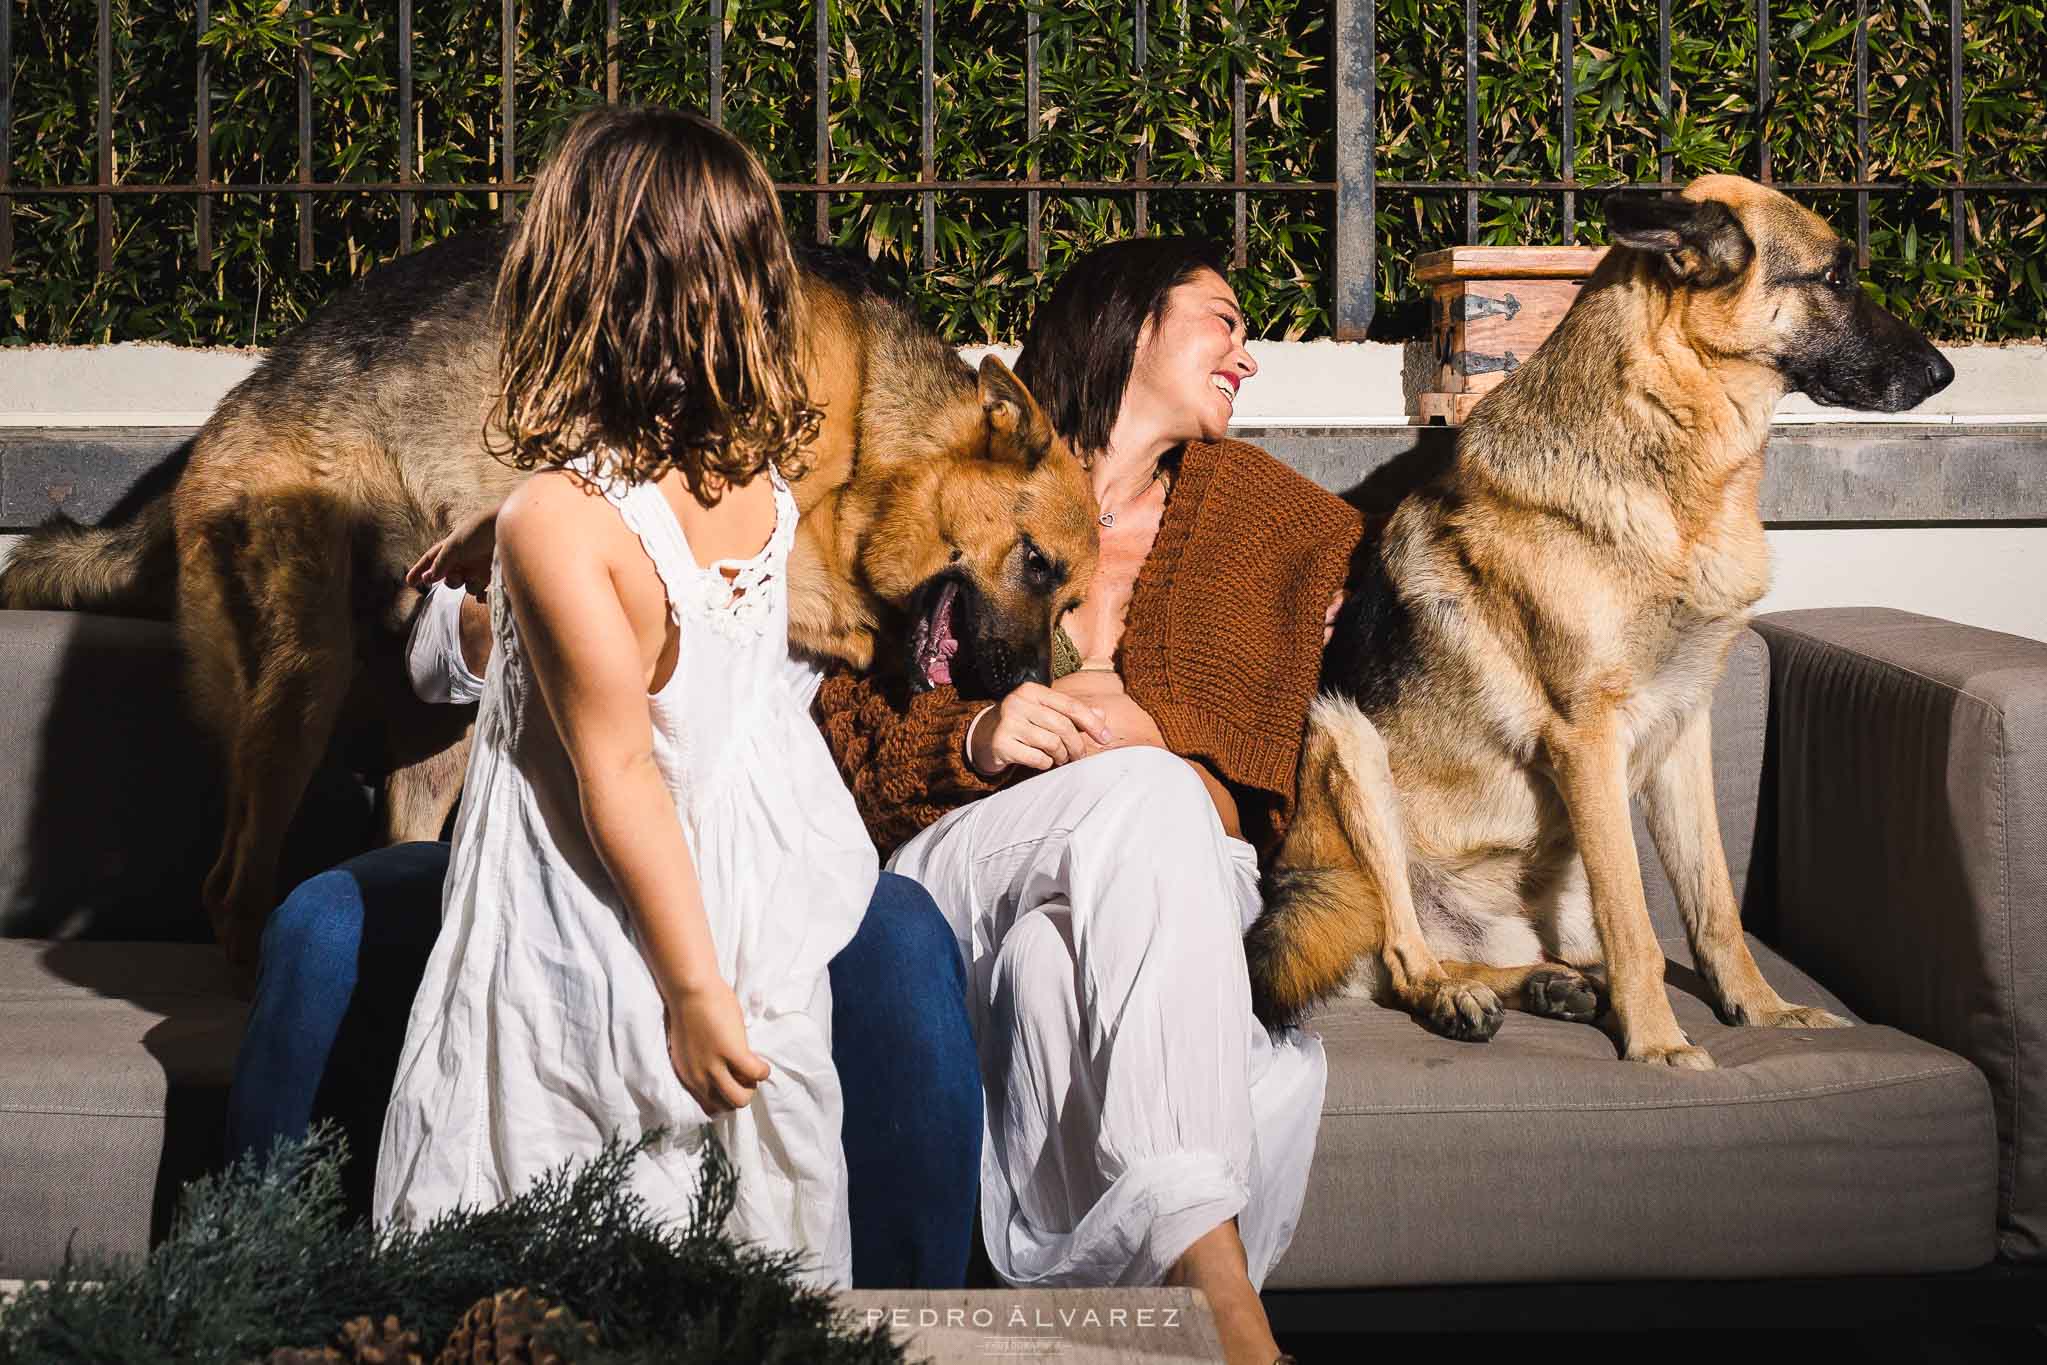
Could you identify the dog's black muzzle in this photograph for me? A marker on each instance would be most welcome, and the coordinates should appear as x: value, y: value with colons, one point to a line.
x: 1873, y: 362
x: 998, y: 669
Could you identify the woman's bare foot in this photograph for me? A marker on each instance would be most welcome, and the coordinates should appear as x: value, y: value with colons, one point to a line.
x: 1215, y: 1265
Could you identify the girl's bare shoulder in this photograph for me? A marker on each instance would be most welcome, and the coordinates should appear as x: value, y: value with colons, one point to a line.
x: 558, y: 512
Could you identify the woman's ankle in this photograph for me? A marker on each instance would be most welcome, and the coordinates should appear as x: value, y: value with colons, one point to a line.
x: 1216, y: 1265
x: 1217, y: 1256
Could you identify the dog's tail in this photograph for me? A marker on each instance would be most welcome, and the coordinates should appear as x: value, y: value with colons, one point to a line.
x: 1306, y: 943
x: 128, y: 569
x: 1323, y: 916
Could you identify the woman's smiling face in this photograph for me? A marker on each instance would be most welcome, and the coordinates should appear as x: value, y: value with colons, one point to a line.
x: 1191, y: 361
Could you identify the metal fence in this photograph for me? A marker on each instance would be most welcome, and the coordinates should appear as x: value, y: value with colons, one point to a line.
x: 1354, y: 96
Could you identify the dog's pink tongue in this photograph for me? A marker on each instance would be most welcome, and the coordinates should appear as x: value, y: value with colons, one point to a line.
x: 938, y: 667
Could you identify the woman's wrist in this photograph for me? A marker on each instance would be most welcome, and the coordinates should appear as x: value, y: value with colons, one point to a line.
x: 972, y: 753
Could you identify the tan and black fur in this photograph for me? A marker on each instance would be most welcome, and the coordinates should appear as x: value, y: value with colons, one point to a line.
x: 360, y: 441
x: 1536, y: 637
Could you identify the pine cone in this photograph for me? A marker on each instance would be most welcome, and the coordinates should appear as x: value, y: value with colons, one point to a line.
x: 359, y: 1342
x: 370, y: 1343
x: 515, y: 1327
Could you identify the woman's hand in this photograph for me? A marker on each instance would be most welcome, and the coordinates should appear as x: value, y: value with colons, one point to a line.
x: 707, y: 1046
x: 461, y: 558
x: 1035, y: 727
x: 1132, y: 725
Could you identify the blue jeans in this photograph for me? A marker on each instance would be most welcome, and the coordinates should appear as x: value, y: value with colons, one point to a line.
x: 344, y: 954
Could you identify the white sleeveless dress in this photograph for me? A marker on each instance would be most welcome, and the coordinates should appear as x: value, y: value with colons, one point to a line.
x: 538, y: 1032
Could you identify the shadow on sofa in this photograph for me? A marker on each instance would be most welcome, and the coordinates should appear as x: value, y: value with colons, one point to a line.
x: 120, y: 1016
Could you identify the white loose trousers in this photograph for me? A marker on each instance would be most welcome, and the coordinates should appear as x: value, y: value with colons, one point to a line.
x: 1133, y: 1101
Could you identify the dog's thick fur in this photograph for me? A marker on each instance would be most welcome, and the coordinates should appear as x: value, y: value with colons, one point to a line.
x: 1537, y: 635
x: 360, y: 440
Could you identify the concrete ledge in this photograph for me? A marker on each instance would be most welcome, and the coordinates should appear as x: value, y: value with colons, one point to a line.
x: 1817, y: 475
x: 83, y: 472
x: 1071, y: 1326
x: 1848, y: 474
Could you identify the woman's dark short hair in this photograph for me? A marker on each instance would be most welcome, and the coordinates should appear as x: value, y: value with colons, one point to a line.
x: 1076, y: 356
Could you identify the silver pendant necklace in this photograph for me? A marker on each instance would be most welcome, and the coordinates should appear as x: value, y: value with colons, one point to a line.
x: 1108, y: 519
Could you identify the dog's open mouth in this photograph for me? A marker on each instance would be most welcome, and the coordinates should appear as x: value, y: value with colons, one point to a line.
x: 948, y: 642
x: 936, y: 640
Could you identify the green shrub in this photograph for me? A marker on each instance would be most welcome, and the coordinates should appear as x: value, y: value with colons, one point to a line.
x: 263, y: 1256
x: 1096, y: 112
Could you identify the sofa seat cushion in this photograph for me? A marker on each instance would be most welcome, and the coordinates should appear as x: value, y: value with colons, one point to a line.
x: 113, y: 1088
x: 1541, y: 1157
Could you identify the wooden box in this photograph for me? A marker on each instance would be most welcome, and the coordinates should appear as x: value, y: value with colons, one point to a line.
x: 1491, y: 307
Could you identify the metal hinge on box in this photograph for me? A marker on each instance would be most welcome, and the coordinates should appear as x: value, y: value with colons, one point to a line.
x: 1493, y: 306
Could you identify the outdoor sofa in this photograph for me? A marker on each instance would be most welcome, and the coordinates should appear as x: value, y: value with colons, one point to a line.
x: 1883, y: 798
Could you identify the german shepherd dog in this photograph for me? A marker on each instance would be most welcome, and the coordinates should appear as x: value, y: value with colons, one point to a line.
x: 934, y: 496
x: 1537, y: 635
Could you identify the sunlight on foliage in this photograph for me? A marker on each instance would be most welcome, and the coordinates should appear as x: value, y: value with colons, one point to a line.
x: 1095, y: 112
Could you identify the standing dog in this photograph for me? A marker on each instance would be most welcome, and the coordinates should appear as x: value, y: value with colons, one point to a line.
x: 935, y: 499
x: 1537, y: 636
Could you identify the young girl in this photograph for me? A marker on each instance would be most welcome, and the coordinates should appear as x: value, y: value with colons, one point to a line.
x: 655, y: 858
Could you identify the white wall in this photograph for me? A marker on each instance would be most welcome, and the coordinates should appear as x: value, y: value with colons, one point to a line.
x: 1992, y: 576
x: 141, y: 384
x: 1300, y: 383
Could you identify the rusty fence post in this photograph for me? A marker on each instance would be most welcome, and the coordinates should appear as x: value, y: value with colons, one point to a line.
x: 1357, y: 237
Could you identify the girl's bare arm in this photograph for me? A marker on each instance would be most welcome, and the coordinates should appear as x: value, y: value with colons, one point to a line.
x: 559, y: 551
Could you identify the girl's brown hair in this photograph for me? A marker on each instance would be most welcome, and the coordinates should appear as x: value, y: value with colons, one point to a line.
x: 650, y: 311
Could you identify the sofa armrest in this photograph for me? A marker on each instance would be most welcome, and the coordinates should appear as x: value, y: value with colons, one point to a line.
x: 1909, y: 772
x: 109, y: 792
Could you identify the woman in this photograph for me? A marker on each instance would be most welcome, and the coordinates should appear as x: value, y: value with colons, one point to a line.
x: 1141, y: 1127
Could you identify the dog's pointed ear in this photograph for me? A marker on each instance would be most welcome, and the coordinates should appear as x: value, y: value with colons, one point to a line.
x: 1018, y: 429
x: 1701, y: 242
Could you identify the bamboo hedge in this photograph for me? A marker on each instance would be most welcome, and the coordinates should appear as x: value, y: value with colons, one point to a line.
x: 1095, y: 113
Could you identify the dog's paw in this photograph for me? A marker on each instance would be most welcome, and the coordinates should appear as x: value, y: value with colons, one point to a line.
x: 1800, y: 1016
x: 1464, y: 1011
x: 1682, y: 1056
x: 1561, y: 993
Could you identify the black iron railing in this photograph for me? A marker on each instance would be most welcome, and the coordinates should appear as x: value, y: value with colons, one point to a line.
x: 1354, y: 93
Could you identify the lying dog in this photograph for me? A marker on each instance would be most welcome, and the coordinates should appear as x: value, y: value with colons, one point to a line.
x: 1537, y: 635
x: 359, y: 441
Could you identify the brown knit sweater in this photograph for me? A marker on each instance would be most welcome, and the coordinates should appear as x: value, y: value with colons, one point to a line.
x: 1223, y: 646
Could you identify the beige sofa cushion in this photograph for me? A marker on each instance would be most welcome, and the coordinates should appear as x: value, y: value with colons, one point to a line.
x: 113, y: 1083
x: 1538, y: 1156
